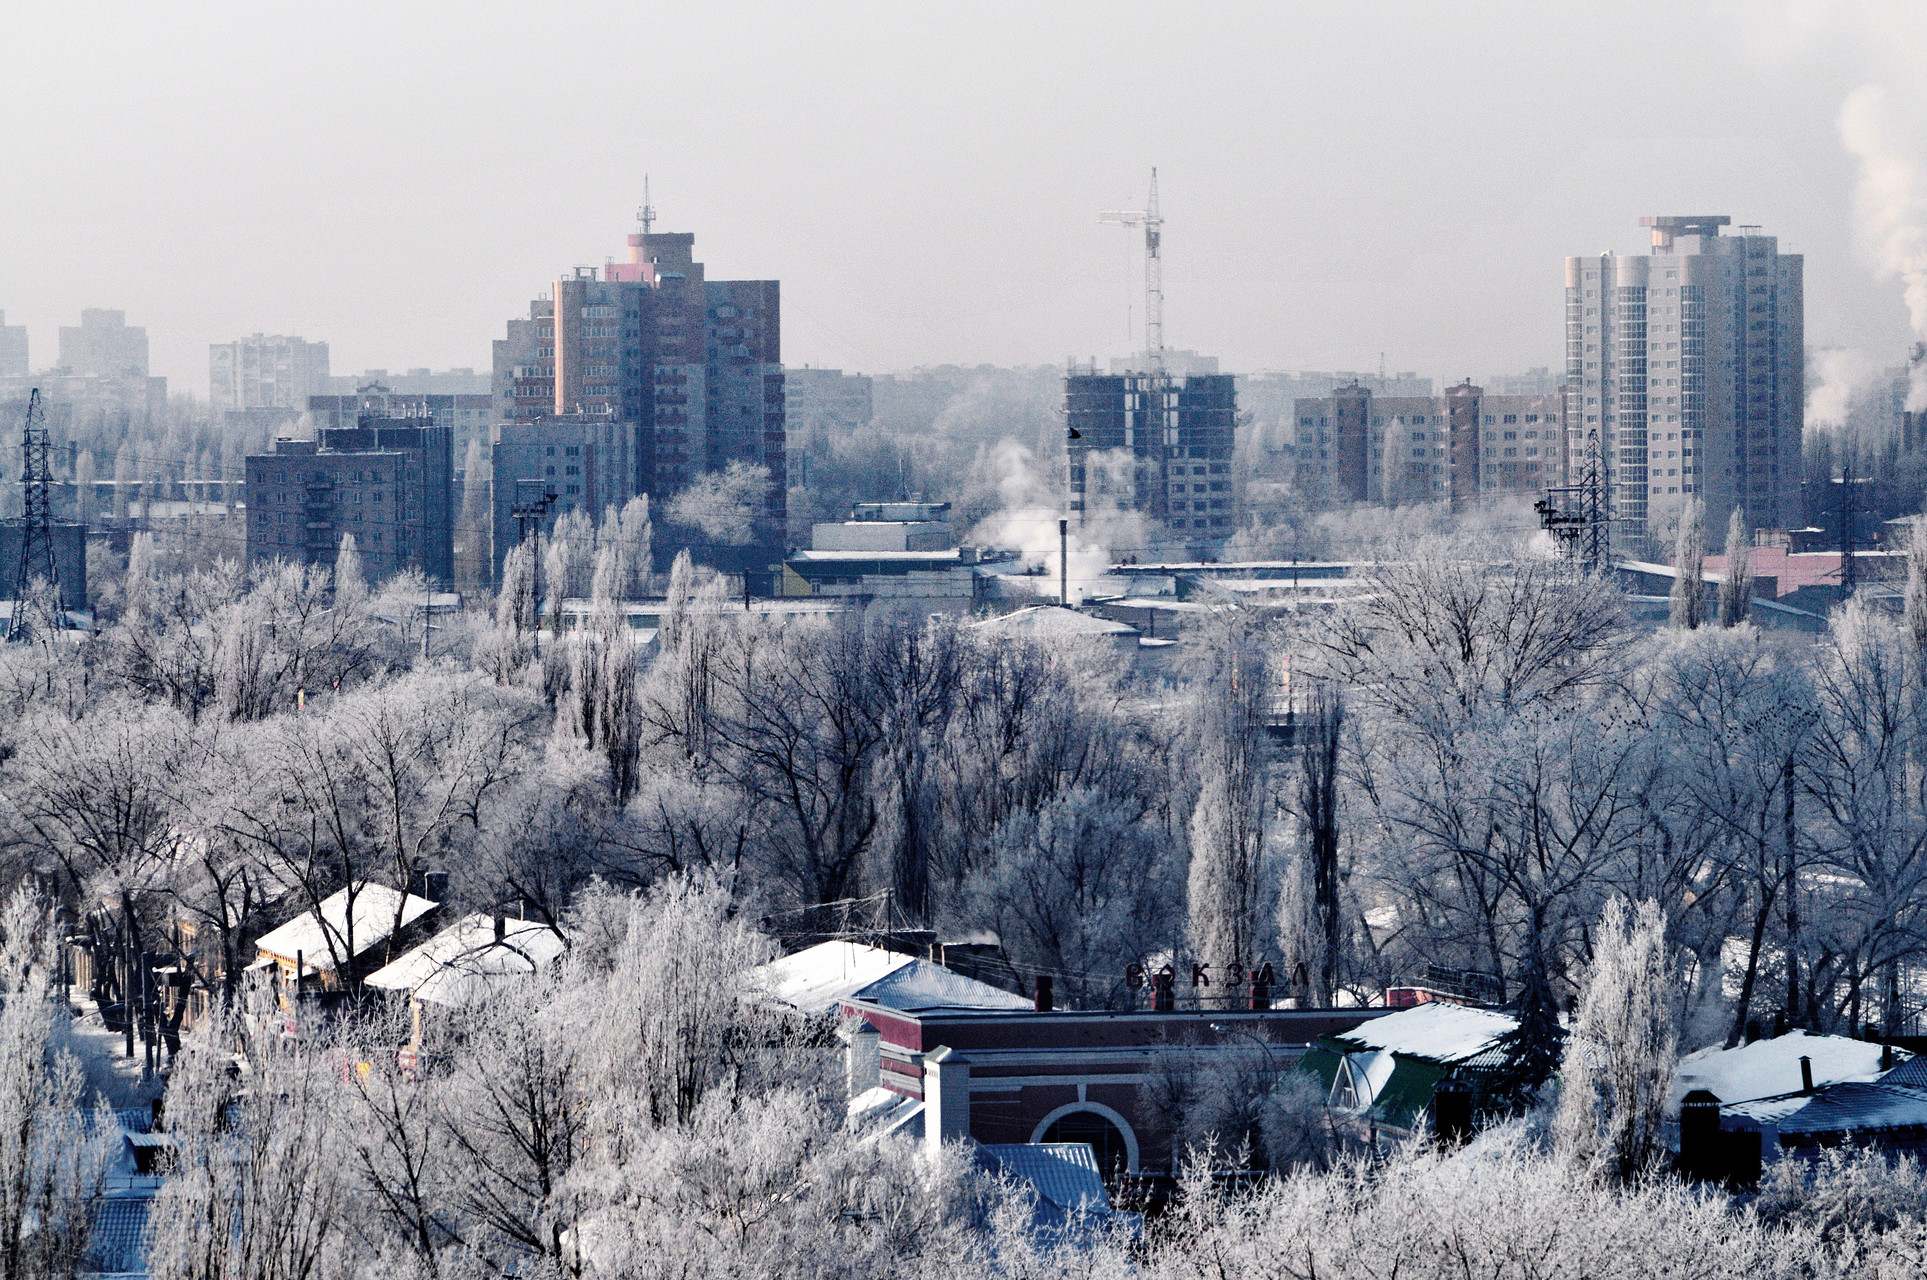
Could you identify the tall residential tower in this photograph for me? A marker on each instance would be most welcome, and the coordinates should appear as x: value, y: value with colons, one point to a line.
x: 1685, y: 370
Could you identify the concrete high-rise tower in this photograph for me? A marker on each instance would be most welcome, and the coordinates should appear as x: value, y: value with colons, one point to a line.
x: 1688, y: 362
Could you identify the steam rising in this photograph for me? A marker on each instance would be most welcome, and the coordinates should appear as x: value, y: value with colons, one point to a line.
x: 1033, y: 502
x: 1890, y: 205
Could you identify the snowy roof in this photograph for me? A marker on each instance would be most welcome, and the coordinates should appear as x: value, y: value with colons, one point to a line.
x: 1436, y: 1031
x: 460, y: 965
x: 817, y: 979
x: 1051, y: 620
x: 309, y: 932
x: 1771, y: 1068
x: 880, y: 1111
x: 921, y: 986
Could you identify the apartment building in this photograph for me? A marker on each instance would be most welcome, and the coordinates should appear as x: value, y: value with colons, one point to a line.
x: 1686, y: 366
x: 266, y: 371
x: 1354, y: 446
x: 386, y: 481
x: 1155, y: 444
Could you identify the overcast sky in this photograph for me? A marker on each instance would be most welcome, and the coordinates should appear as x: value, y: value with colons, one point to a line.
x: 1339, y: 179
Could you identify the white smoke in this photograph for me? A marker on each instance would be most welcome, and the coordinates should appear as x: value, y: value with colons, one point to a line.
x: 1890, y: 203
x: 1033, y: 502
x: 1834, y: 376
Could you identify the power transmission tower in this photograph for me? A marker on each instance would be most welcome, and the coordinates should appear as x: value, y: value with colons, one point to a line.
x: 1575, y: 514
x: 36, y: 522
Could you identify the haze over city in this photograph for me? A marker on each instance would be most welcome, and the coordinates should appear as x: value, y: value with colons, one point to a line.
x: 926, y: 180
x: 1091, y: 642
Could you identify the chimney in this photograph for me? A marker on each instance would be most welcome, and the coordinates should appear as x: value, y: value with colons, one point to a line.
x: 1452, y: 1111
x: 1886, y: 1057
x: 501, y: 928
x: 1806, y: 1074
x: 1043, y: 997
x: 1699, y: 1135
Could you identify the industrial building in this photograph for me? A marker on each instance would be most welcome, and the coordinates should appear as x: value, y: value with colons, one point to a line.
x: 387, y: 481
x: 266, y: 371
x: 1354, y: 446
x: 1686, y: 370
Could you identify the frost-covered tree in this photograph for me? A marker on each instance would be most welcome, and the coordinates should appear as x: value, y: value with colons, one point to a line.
x: 1228, y: 891
x: 1689, y: 557
x: 726, y: 505
x: 52, y: 1162
x: 350, y: 587
x: 1624, y: 1047
x: 1915, y: 599
x: 1736, y: 593
x: 261, y: 1187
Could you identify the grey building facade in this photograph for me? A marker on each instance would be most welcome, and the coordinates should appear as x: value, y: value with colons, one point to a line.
x: 1354, y: 446
x: 1685, y: 368
x: 696, y: 362
x: 580, y: 462
x: 13, y: 349
x: 266, y: 371
x: 387, y: 481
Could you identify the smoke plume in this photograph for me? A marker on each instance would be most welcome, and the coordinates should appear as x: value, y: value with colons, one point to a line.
x: 1890, y: 205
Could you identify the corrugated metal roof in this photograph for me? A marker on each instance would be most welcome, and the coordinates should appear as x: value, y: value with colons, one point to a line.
x: 920, y: 986
x: 1859, y: 1107
x: 115, y: 1244
x: 1064, y: 1173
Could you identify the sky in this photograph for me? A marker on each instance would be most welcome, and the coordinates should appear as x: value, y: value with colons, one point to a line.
x: 1339, y: 181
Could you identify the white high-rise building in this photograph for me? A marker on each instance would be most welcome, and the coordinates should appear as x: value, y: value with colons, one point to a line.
x: 266, y: 371
x: 1685, y: 370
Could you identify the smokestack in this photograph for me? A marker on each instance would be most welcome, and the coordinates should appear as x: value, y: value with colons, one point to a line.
x: 1806, y: 1074
x: 1044, y: 999
x: 1063, y: 562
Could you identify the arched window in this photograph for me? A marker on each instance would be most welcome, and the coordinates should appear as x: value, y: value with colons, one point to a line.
x: 1107, y: 1142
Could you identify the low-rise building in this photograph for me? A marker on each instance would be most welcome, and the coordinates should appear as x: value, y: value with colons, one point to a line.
x: 354, y: 932
x: 1059, y: 1076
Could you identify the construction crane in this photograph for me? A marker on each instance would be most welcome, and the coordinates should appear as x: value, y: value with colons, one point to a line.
x: 1153, y: 224
x: 36, y: 524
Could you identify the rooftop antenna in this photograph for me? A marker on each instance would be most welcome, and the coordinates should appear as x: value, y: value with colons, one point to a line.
x: 647, y: 214
x: 1153, y: 224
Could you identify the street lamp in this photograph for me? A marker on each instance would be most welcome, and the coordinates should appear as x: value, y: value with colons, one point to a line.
x: 1225, y: 1030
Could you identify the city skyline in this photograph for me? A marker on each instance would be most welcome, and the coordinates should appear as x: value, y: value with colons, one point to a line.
x: 1314, y: 217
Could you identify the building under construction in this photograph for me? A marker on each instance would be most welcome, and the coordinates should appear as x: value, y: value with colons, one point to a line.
x: 1154, y: 444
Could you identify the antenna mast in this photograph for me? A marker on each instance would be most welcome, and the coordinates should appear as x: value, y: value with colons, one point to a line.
x: 36, y: 521
x: 647, y: 214
x: 1153, y: 223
